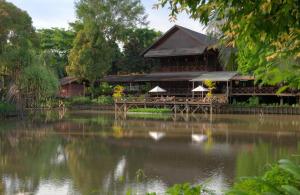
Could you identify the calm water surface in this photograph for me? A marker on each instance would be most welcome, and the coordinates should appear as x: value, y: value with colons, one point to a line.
x: 100, y: 153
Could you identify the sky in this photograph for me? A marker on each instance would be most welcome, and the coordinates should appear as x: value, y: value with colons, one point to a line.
x: 58, y: 13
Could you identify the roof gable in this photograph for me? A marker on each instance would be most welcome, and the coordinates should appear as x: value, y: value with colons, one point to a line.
x: 179, y: 41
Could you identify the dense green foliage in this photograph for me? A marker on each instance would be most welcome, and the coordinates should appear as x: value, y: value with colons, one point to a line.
x: 79, y: 101
x: 283, y: 178
x: 101, y: 100
x: 103, y: 89
x: 137, y: 40
x: 55, y: 45
x: 89, y: 50
x: 38, y: 83
x: 184, y: 189
x: 19, y: 53
x: 6, y: 108
x: 101, y: 25
x: 17, y: 39
x: 151, y: 110
x: 280, y: 179
x: 265, y: 33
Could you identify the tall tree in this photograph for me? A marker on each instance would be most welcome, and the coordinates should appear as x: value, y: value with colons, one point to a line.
x: 20, y: 58
x: 266, y: 34
x: 101, y: 25
x: 55, y: 46
x: 17, y: 38
x: 136, y: 42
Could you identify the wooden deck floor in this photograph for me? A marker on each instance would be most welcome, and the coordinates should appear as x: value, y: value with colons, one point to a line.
x: 175, y: 106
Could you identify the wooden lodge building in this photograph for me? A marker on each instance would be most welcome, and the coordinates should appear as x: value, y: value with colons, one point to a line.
x: 71, y: 87
x: 185, y: 59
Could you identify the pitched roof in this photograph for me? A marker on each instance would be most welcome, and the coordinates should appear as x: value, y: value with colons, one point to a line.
x: 209, y: 41
x: 179, y: 41
x: 67, y: 80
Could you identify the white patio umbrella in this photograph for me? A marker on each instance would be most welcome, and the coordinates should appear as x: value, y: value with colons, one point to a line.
x: 156, y: 135
x: 157, y: 90
x: 200, y: 88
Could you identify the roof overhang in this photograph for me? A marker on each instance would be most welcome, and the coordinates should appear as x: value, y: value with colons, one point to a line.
x: 174, y: 52
x: 215, y: 76
x: 243, y: 78
x: 172, y: 76
x: 159, y: 76
x: 68, y: 80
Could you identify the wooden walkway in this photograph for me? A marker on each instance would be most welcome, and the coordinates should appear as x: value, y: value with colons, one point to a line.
x: 175, y: 106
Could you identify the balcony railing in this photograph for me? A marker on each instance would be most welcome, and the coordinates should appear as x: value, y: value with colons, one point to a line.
x: 258, y: 90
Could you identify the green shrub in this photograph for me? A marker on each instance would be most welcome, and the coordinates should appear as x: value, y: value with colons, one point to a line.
x: 283, y: 178
x: 103, y: 100
x: 49, y: 103
x: 79, y: 100
x: 145, y: 88
x: 6, y: 108
x: 103, y: 89
x: 151, y: 110
x: 280, y: 179
x: 184, y: 189
x: 253, y: 101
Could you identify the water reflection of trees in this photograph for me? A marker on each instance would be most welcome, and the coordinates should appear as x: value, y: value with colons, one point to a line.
x: 100, y: 154
x: 25, y: 161
x: 255, y: 160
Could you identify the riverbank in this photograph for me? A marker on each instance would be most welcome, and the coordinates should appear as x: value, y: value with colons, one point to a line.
x: 224, y: 109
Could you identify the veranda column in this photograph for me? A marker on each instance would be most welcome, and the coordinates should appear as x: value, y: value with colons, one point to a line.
x: 227, y: 90
x: 193, y: 88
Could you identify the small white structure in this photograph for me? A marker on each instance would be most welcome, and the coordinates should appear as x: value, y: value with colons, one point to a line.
x: 199, y: 138
x: 156, y: 135
x: 157, y: 89
x: 200, y: 88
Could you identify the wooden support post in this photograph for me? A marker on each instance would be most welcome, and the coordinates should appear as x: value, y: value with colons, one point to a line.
x: 281, y: 101
x: 125, y: 107
x: 227, y: 91
x: 230, y: 91
x: 193, y: 88
x: 187, y: 109
x: 211, y: 111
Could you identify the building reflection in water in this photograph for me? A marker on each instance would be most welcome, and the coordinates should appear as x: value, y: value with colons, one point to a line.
x: 83, y: 153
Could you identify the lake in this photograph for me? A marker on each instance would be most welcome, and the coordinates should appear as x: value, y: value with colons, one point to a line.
x: 102, y: 153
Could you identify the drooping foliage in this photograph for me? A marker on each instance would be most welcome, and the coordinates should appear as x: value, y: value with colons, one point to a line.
x: 265, y: 33
x: 38, y: 82
x: 101, y: 25
x: 21, y: 59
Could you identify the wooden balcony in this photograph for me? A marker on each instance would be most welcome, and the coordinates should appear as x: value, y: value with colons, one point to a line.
x: 261, y: 91
x: 187, y: 68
